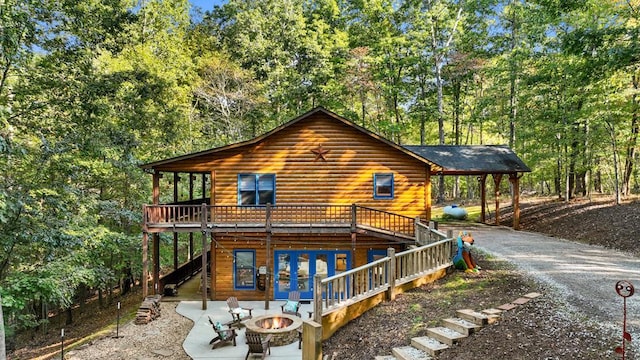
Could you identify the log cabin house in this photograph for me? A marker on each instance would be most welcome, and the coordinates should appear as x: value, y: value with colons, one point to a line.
x: 317, y: 195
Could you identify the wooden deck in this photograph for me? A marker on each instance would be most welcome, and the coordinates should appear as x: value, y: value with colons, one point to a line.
x: 277, y: 219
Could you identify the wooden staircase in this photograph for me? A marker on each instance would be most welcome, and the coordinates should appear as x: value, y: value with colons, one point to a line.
x: 464, y: 324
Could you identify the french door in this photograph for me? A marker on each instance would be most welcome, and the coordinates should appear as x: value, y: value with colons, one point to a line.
x: 295, y: 269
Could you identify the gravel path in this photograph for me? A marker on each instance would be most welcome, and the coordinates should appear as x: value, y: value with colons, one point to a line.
x: 584, y: 275
x: 160, y: 339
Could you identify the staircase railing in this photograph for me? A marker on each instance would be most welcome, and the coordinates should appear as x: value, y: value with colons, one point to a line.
x: 386, y: 274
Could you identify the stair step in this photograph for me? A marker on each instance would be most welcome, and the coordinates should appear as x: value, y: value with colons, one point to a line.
x: 493, y: 314
x: 473, y: 316
x: 386, y: 357
x: 429, y: 345
x: 445, y: 335
x: 460, y: 325
x: 410, y: 353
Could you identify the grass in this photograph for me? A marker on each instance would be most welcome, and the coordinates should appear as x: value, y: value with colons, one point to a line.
x: 473, y: 215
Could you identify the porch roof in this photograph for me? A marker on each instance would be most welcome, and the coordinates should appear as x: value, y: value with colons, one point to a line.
x: 472, y: 159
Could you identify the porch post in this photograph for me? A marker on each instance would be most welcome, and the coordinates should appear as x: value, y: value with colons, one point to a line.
x: 191, y: 176
x: 204, y: 185
x: 482, y: 179
x: 515, y: 181
x: 156, y: 187
x: 496, y: 181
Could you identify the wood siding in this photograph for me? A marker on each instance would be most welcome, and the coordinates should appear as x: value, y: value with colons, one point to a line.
x: 222, y: 277
x: 346, y: 177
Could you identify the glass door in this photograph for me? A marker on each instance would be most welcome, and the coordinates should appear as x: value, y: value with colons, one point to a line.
x: 296, y: 269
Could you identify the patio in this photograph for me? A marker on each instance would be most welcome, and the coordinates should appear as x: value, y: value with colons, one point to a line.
x: 196, y: 345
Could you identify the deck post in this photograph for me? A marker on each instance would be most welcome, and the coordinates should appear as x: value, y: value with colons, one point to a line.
x: 317, y: 298
x: 156, y: 263
x: 311, y: 340
x: 176, y: 179
x: 145, y: 264
x: 203, y: 228
x: 267, y: 284
x: 354, y: 218
x: 204, y: 270
x: 391, y: 275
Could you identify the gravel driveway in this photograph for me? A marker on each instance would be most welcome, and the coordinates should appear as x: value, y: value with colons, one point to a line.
x: 584, y: 275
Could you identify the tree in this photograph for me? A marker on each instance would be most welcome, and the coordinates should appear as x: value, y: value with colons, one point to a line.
x: 225, y: 99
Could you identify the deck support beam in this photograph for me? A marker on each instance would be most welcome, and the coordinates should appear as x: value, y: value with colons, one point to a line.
x: 156, y: 263
x: 203, y: 272
x: 176, y: 179
x: 267, y: 285
x: 145, y: 264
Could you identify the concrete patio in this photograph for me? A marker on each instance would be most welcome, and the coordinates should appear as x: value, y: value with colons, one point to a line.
x: 196, y: 345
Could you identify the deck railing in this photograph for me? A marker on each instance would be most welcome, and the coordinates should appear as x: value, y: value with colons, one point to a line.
x: 361, y: 283
x: 158, y: 217
x: 398, y: 224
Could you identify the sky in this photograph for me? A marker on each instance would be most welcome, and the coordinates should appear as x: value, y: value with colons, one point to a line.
x: 207, y: 4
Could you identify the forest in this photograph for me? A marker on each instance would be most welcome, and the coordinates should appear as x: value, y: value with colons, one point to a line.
x: 90, y: 90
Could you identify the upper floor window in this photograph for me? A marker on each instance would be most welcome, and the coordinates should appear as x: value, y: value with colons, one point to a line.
x: 383, y: 186
x: 256, y: 189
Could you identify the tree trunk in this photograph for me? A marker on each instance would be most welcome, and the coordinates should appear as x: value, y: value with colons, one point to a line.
x: 3, y: 346
x: 633, y: 140
x: 597, y: 176
x: 513, y: 74
x: 69, y: 318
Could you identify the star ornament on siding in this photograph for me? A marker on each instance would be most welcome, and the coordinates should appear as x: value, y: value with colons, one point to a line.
x: 321, y: 153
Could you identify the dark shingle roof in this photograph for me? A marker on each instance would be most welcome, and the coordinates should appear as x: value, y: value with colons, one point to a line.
x: 472, y: 159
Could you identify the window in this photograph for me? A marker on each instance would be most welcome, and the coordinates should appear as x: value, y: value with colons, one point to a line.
x: 256, y: 189
x: 383, y: 186
x: 244, y: 269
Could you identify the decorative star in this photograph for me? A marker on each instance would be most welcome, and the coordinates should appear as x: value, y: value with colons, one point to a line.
x: 320, y: 152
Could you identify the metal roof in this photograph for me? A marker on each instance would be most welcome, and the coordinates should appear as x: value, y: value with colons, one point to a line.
x: 472, y: 159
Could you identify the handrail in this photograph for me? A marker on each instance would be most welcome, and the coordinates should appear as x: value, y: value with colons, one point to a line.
x: 385, y: 220
x: 427, y: 235
x: 202, y: 216
x: 335, y: 292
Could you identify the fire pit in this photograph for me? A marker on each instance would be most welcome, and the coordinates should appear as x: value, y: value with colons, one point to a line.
x: 283, y: 327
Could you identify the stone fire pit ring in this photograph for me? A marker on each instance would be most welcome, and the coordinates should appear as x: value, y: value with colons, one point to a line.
x: 284, y: 332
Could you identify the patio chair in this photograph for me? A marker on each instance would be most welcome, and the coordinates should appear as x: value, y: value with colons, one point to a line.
x: 257, y: 345
x: 223, y: 336
x: 238, y: 313
x: 292, y: 306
